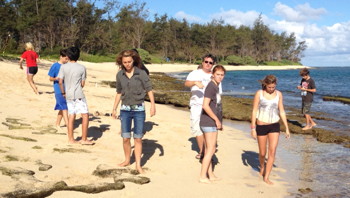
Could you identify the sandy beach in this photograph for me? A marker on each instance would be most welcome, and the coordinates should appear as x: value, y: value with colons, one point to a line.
x: 168, y: 149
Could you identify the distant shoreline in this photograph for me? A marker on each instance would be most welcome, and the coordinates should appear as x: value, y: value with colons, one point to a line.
x: 167, y: 68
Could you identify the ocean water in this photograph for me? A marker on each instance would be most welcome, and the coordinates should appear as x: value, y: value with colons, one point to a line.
x: 322, y: 167
x: 330, y: 81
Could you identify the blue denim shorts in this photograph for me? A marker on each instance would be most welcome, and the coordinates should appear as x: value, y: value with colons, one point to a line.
x: 126, y: 118
x: 209, y: 129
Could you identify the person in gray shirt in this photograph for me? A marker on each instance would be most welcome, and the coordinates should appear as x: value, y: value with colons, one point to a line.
x: 73, y: 75
x: 132, y: 86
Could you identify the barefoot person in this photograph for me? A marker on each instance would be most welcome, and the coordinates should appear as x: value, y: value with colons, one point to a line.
x: 308, y: 88
x: 61, y: 103
x: 73, y: 75
x: 132, y: 85
x: 197, y: 80
x: 267, y: 111
x: 31, y: 58
x: 211, y: 122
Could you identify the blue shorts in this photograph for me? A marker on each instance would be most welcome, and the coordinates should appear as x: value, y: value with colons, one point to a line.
x: 77, y: 106
x: 61, y: 103
x: 126, y: 118
x: 208, y: 129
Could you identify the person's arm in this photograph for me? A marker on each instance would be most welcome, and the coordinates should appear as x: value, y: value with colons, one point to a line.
x: 115, y: 106
x: 60, y: 82
x: 82, y: 83
x: 308, y: 90
x: 53, y: 78
x: 283, y: 114
x: 20, y: 63
x: 153, y: 106
x: 190, y: 84
x: 210, y: 113
x: 254, y: 111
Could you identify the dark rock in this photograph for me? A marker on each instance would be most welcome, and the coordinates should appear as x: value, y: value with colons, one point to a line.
x: 135, y: 179
x: 305, y: 190
x: 97, y: 188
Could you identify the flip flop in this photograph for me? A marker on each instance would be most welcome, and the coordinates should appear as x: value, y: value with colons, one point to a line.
x: 87, y: 142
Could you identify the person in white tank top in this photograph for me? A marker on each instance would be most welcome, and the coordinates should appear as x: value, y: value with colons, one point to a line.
x: 267, y: 111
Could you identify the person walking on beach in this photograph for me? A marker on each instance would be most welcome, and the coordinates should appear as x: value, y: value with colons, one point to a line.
x: 132, y: 85
x: 268, y: 109
x: 73, y: 75
x: 61, y: 103
x: 197, y: 80
x: 308, y: 88
x: 31, y: 58
x: 211, y: 122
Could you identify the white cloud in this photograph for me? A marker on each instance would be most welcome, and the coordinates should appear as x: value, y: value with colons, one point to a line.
x: 189, y: 18
x: 238, y: 18
x: 327, y: 45
x: 301, y: 13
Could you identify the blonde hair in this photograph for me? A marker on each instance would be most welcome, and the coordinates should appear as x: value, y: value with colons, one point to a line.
x: 29, y: 46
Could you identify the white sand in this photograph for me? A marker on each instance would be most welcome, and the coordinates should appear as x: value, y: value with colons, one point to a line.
x: 173, y: 170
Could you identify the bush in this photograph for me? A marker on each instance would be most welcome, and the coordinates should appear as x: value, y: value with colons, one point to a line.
x: 234, y: 60
x: 249, y: 60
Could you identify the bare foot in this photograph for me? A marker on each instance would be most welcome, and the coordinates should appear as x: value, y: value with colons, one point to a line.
x: 86, y: 142
x: 123, y: 164
x: 306, y: 128
x: 204, y: 181
x: 268, y: 181
x: 214, y: 178
x: 140, y: 170
x: 72, y: 142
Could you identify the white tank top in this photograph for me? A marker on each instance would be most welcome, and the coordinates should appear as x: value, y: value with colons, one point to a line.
x: 268, y: 109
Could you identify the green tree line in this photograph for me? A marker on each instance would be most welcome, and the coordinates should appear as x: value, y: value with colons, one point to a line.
x: 54, y: 24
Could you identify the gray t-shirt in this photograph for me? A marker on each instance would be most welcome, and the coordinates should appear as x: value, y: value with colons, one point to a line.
x: 73, y: 74
x: 212, y: 92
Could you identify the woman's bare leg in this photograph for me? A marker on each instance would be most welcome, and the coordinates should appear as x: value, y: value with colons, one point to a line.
x: 127, y: 152
x: 262, y: 143
x: 138, y: 153
x: 31, y: 83
x: 273, y: 142
x: 210, y: 146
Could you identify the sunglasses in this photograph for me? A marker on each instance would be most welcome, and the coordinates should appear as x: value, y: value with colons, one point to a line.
x: 208, y: 62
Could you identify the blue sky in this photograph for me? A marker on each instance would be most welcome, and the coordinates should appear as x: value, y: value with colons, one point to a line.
x: 323, y: 24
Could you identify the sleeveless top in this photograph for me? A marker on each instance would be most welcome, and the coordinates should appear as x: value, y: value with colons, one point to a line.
x: 268, y: 111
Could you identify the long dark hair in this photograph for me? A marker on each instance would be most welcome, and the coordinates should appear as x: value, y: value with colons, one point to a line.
x: 129, y: 53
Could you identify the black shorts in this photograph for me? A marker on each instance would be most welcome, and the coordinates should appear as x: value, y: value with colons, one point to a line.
x: 265, y: 129
x: 32, y: 70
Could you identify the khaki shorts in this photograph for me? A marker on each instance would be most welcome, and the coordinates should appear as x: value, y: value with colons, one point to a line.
x: 196, y: 111
x: 306, y: 107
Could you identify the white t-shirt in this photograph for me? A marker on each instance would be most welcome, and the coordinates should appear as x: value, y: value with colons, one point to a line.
x: 198, y: 93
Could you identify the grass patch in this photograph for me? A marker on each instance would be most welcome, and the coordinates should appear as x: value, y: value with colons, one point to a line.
x: 19, y: 138
x: 37, y: 147
x: 11, y: 158
x: 70, y: 150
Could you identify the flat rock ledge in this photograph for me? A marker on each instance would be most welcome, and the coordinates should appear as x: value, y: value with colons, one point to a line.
x: 30, y: 187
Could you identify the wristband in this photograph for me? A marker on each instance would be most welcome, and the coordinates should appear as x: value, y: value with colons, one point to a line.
x: 252, y: 127
x: 63, y: 93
